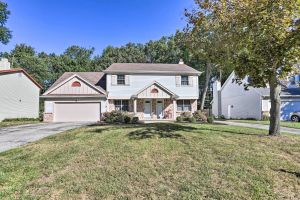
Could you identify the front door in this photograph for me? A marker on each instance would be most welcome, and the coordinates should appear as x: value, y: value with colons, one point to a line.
x: 159, y: 109
x: 147, y: 109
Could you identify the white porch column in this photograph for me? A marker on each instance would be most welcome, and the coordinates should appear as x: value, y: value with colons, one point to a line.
x: 174, y: 109
x: 134, y: 106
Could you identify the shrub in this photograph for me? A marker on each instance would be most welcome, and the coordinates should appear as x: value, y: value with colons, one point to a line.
x: 221, y: 117
x: 179, y: 119
x: 186, y: 114
x: 20, y: 119
x: 266, y: 116
x: 192, y: 119
x: 119, y: 117
x: 199, y: 116
x: 135, y: 120
x: 210, y: 119
x: 127, y: 119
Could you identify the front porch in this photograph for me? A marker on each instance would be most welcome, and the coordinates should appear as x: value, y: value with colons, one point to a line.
x: 154, y: 102
x: 153, y: 109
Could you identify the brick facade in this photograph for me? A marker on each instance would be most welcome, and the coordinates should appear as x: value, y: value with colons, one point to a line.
x: 48, y: 117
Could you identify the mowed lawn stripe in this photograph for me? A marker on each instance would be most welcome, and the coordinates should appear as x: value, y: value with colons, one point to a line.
x: 164, y: 161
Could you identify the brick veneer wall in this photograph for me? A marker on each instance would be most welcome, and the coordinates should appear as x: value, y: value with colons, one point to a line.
x: 48, y: 117
x: 168, y: 111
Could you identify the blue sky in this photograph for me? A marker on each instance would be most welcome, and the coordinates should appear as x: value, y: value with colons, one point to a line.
x: 53, y: 25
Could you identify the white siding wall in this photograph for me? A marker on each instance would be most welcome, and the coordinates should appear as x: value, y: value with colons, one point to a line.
x: 246, y: 103
x: 19, y: 97
x: 138, y: 82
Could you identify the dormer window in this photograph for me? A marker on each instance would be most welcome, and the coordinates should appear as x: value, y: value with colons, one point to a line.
x: 76, y: 84
x: 184, y: 80
x: 121, y: 79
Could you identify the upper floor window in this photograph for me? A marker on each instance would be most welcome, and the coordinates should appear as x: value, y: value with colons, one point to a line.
x: 122, y: 105
x: 76, y: 84
x: 121, y: 79
x: 184, y: 80
x: 184, y: 105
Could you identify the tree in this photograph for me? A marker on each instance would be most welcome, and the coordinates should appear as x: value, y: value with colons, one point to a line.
x: 205, y: 41
x: 24, y: 56
x: 262, y: 42
x: 5, y: 33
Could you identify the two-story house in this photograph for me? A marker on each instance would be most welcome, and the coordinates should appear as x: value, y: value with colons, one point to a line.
x: 150, y: 91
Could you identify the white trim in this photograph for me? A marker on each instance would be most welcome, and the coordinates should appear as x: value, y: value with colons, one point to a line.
x: 227, y: 80
x: 70, y: 78
x: 160, y: 86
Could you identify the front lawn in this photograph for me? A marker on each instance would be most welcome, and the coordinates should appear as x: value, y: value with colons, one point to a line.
x: 15, y: 122
x: 282, y: 123
x: 154, y: 161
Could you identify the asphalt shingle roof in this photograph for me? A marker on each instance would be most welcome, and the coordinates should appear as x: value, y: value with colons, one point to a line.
x: 97, y: 79
x: 151, y: 68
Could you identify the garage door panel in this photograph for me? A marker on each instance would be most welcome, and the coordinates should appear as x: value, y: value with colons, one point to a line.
x: 71, y: 112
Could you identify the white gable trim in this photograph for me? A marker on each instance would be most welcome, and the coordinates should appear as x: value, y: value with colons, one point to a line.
x: 230, y: 79
x: 172, y: 94
x: 70, y: 78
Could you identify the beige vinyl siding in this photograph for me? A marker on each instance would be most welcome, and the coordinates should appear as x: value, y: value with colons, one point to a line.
x: 19, y: 97
x: 147, y: 93
x: 68, y: 89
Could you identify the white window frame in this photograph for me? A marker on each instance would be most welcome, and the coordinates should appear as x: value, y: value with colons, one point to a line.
x: 185, y: 104
x: 121, y: 105
x: 123, y: 79
x: 186, y: 82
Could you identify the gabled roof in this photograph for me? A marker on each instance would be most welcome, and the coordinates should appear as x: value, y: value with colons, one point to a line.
x: 151, y: 68
x: 265, y: 92
x: 95, y: 79
x: 158, y: 85
x: 18, y: 70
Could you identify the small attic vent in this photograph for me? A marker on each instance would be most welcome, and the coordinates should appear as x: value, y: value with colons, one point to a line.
x: 76, y: 84
x: 154, y: 91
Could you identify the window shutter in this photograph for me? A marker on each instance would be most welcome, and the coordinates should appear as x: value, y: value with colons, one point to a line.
x: 191, y: 81
x: 178, y: 80
x: 113, y: 79
x: 127, y: 80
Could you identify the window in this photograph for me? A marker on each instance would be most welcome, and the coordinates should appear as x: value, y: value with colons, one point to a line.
x: 121, y: 79
x: 184, y: 105
x: 76, y: 84
x: 184, y: 80
x: 121, y: 105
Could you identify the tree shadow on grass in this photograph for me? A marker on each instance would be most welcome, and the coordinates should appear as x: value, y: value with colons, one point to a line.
x: 224, y: 131
x: 161, y: 130
x: 297, y: 174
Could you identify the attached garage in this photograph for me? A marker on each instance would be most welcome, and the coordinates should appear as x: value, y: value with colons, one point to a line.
x: 76, y: 112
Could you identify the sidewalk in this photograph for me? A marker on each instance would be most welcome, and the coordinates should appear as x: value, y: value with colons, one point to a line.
x: 260, y: 126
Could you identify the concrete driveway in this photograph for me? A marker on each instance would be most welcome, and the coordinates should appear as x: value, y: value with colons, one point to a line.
x: 11, y: 137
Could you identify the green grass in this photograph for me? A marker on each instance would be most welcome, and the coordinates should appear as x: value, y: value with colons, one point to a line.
x: 15, y: 122
x: 283, y: 124
x: 154, y: 161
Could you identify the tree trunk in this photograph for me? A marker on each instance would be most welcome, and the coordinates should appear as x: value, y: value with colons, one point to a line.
x: 275, y: 89
x: 207, y: 79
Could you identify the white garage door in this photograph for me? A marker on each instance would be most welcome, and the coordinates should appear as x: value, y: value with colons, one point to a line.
x: 74, y: 112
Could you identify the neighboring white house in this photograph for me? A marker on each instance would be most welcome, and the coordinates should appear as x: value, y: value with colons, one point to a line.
x: 150, y: 91
x: 19, y: 93
x: 233, y: 101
